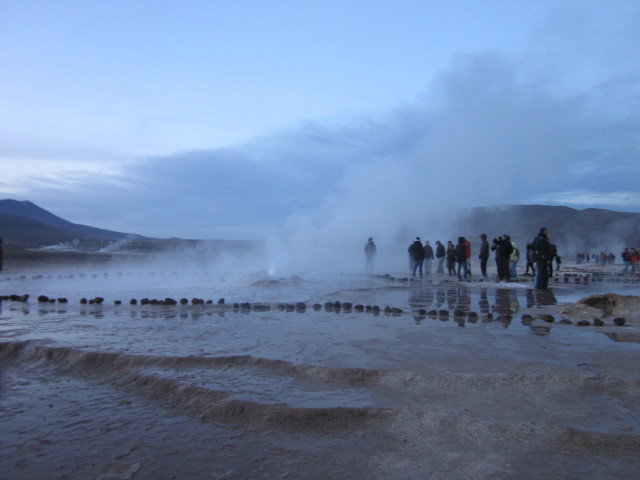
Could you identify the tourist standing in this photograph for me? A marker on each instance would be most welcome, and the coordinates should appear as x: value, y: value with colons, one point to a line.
x: 484, y: 254
x: 370, y: 254
x: 440, y: 256
x: 416, y: 253
x: 428, y: 257
x: 541, y: 251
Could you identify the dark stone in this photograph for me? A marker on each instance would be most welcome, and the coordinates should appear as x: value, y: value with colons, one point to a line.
x: 43, y: 299
x: 62, y: 300
x: 597, y: 322
x: 221, y: 301
x: 133, y: 301
x: 583, y: 323
x: 83, y: 301
x: 183, y: 301
x: 170, y: 301
x: 146, y: 301
x: 619, y: 321
x: 99, y: 300
x: 117, y: 302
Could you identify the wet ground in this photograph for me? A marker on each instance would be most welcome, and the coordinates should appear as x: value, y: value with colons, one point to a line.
x: 445, y: 380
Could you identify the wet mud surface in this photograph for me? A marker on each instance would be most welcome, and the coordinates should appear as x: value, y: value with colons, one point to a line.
x: 121, y: 391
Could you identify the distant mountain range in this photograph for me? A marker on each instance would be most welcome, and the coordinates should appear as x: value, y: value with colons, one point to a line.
x: 572, y: 230
x: 25, y: 225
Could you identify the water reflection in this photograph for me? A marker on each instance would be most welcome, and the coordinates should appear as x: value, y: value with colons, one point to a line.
x: 506, y: 301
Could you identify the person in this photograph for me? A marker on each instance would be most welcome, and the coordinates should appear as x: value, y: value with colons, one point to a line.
x: 440, y: 255
x: 451, y: 258
x: 1, y: 254
x: 428, y: 257
x: 541, y: 250
x: 635, y: 256
x: 529, y: 262
x: 513, y: 260
x: 504, y: 249
x: 461, y: 257
x: 416, y: 253
x: 553, y: 251
x: 626, y: 258
x: 370, y: 254
x: 467, y: 246
x: 484, y: 254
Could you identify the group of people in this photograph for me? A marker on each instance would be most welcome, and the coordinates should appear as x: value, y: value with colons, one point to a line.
x: 598, y: 259
x: 630, y: 258
x: 540, y: 255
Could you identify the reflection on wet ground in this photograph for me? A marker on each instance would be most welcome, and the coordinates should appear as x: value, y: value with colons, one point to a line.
x: 484, y: 300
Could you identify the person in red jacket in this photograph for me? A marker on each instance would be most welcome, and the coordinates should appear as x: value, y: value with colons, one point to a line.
x: 467, y: 249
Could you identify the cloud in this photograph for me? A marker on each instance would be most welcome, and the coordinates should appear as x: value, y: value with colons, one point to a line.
x: 489, y: 130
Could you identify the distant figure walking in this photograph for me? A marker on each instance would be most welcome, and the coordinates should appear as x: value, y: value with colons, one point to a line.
x: 370, y: 254
x: 541, y: 250
x: 416, y: 254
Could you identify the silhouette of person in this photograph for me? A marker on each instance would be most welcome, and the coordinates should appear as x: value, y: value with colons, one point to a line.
x: 370, y: 254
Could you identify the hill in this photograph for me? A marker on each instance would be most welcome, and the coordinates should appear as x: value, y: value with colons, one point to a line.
x: 26, y: 223
x: 572, y: 230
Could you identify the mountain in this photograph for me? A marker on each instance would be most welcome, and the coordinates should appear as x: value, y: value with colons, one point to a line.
x: 571, y: 230
x: 28, y: 225
x: 25, y: 225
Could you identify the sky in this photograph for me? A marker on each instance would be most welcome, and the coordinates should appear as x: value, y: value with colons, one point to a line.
x: 315, y: 120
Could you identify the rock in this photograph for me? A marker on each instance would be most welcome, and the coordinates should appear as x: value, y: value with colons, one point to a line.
x: 43, y: 299
x: 609, y: 304
x: 619, y: 321
x: 597, y: 322
x: 583, y: 323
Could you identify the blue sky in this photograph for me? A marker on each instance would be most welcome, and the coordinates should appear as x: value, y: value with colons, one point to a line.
x: 220, y: 119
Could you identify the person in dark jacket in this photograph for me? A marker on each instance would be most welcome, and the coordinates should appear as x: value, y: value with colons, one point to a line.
x: 440, y: 254
x: 428, y: 257
x: 541, y: 254
x: 504, y: 251
x: 530, y: 261
x: 484, y: 254
x: 416, y: 253
x: 370, y: 254
x: 451, y: 258
x: 461, y: 257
